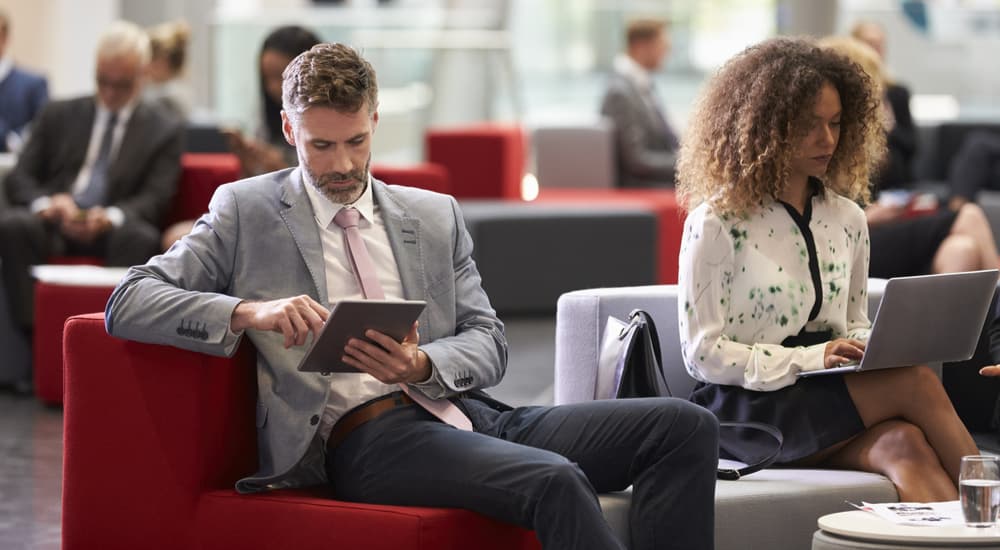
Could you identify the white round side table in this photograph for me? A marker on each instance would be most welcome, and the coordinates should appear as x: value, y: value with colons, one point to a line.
x: 857, y: 530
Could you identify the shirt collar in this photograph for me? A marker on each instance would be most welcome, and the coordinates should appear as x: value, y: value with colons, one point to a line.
x: 124, y: 114
x: 6, y: 66
x: 634, y: 72
x: 324, y: 209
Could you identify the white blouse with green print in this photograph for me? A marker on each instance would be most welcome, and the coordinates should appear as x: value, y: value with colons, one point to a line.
x: 745, y: 285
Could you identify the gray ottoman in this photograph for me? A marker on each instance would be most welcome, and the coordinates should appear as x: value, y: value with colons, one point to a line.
x: 529, y: 254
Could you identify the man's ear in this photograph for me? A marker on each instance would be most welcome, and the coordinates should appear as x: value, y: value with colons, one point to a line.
x: 374, y: 120
x: 286, y: 128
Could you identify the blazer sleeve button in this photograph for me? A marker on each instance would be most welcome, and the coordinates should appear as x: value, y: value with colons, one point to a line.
x: 314, y: 420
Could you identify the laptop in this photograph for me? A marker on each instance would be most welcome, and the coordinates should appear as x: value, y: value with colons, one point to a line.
x: 926, y: 319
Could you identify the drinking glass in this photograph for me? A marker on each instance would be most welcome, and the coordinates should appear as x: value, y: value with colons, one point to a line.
x: 979, y: 489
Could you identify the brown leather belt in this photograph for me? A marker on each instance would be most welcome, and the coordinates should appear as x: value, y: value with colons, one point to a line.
x: 363, y: 413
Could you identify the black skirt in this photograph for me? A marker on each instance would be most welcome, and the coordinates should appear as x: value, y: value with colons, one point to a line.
x: 813, y: 414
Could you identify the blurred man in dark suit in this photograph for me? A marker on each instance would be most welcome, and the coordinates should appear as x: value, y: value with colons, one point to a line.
x: 96, y: 176
x: 22, y: 94
x: 646, y: 143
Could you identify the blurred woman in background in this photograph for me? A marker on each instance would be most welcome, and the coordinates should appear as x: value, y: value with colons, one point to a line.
x: 268, y: 151
x: 165, y: 73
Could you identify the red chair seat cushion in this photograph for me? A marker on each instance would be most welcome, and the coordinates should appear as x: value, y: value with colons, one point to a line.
x: 307, y: 520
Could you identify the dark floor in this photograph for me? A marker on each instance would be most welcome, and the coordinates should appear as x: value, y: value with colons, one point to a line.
x: 30, y: 474
x: 31, y: 439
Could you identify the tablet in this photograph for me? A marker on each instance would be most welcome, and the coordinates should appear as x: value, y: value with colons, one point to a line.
x: 350, y: 319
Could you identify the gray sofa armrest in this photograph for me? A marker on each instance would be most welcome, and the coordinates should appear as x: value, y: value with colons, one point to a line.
x: 582, y: 314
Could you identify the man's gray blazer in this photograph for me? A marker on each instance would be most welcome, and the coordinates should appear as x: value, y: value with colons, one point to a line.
x: 260, y: 241
x: 645, y: 146
x: 142, y: 179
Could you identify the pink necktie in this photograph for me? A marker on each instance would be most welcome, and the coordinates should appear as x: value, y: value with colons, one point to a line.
x: 364, y: 269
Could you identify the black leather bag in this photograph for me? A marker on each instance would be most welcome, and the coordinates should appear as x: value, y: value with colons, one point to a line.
x: 639, y: 373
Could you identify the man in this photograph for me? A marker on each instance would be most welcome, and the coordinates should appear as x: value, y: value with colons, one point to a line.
x: 22, y: 94
x: 96, y: 176
x: 270, y: 257
x: 646, y: 144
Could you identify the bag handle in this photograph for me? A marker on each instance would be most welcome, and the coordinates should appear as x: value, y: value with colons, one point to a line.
x: 733, y: 474
x: 643, y: 319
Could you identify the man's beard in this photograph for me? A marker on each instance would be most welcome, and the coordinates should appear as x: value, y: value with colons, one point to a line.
x: 340, y: 194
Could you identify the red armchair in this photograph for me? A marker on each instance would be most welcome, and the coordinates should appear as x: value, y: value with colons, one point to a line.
x: 155, y: 437
x: 201, y: 174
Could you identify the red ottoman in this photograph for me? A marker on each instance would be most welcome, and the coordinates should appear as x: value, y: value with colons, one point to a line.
x: 61, y: 292
x: 484, y: 161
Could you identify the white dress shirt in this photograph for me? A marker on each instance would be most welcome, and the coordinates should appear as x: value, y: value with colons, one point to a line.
x: 348, y: 390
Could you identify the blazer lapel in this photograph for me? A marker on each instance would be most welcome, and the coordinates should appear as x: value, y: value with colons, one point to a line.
x: 135, y: 137
x: 298, y: 216
x: 80, y: 132
x: 404, y: 239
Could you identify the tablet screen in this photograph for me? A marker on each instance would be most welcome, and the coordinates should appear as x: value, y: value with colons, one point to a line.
x: 350, y: 319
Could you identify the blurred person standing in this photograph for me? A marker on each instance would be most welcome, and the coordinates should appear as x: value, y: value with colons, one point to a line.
x: 95, y: 178
x: 646, y: 144
x: 22, y: 94
x: 165, y: 83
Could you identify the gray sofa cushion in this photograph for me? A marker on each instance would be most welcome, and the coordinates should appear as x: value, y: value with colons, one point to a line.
x: 529, y: 254
x: 772, y: 509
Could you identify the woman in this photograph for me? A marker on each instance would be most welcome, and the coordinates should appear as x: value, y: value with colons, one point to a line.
x: 165, y: 84
x: 269, y: 151
x: 773, y: 273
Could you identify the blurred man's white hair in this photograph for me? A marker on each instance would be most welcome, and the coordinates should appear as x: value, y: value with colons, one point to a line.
x: 122, y: 38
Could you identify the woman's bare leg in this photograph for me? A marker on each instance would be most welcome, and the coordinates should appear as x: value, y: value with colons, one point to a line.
x: 970, y: 244
x: 913, y: 436
x: 898, y: 450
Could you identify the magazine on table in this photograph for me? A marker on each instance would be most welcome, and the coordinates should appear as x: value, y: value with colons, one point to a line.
x: 916, y: 513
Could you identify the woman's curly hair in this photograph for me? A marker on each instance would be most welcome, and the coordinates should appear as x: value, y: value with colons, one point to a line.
x: 752, y: 116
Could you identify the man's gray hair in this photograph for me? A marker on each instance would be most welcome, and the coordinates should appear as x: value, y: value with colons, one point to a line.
x: 123, y: 38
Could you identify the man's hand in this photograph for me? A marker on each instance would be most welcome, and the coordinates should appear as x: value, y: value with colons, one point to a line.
x: 62, y: 207
x: 294, y: 318
x: 842, y: 350
x: 87, y: 225
x: 992, y: 370
x: 390, y: 362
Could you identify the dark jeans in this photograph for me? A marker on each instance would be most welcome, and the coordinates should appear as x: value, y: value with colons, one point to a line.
x: 542, y: 467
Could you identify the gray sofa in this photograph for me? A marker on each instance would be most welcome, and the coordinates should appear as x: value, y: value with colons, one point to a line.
x: 771, y: 509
